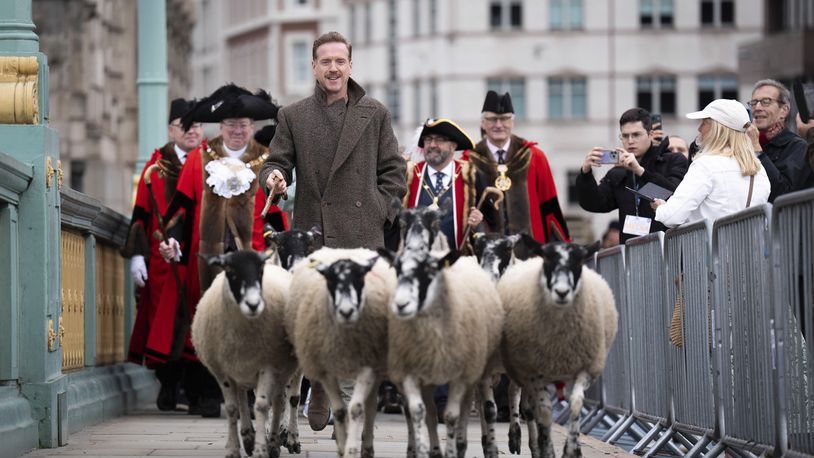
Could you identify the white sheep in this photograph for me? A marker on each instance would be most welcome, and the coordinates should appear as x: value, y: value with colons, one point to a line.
x: 239, y: 336
x: 445, y: 325
x: 560, y: 322
x: 337, y: 322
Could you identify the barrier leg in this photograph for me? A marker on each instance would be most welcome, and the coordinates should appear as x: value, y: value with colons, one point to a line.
x: 642, y: 444
x: 663, y: 440
x: 589, y: 423
x: 617, y: 431
x: 719, y: 448
x: 699, y: 446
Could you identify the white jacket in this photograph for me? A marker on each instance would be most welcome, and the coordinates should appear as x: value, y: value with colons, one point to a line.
x: 713, y: 187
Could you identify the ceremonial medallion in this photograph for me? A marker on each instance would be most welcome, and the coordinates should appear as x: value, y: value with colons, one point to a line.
x: 503, y: 182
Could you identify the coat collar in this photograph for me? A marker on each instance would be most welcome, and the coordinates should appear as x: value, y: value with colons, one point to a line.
x: 357, y: 117
x: 355, y: 93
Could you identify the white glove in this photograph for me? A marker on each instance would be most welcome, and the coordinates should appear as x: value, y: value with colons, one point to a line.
x: 170, y: 249
x: 138, y: 270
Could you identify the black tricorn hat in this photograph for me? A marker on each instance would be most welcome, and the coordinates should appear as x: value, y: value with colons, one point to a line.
x: 448, y: 129
x: 231, y: 101
x: 264, y: 135
x: 497, y: 103
x: 178, y: 108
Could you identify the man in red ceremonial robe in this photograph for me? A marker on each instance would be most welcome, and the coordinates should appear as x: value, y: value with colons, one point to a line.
x: 217, y: 208
x: 518, y: 168
x: 152, y: 276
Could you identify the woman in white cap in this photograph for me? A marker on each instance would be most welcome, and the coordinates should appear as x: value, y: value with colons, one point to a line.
x: 725, y: 176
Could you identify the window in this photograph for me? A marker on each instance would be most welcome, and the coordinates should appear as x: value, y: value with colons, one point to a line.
x: 717, y: 13
x: 301, y: 62
x: 572, y: 186
x: 566, y: 15
x: 567, y: 98
x: 352, y: 22
x: 417, y: 102
x: 416, y: 18
x: 433, y: 16
x: 514, y: 86
x: 368, y: 23
x: 656, y: 13
x: 506, y: 14
x: 711, y: 87
x: 434, y: 97
x: 656, y: 94
x: 78, y: 175
x: 393, y: 100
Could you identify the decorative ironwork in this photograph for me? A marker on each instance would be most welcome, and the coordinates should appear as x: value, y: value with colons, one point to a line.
x: 19, y: 102
x: 49, y: 172
x: 109, y: 305
x: 72, y: 319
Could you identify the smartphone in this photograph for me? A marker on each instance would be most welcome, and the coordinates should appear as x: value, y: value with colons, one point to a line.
x: 609, y: 156
x: 749, y: 111
x: 804, y: 99
x: 655, y: 121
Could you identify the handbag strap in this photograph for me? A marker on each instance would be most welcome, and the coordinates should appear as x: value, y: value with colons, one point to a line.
x: 751, y: 185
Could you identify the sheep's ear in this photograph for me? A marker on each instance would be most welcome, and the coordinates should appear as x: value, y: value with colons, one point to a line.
x: 547, y: 251
x: 590, y: 250
x: 449, y: 259
x: 322, y: 268
x: 386, y: 255
x: 316, y: 230
x: 214, y: 260
x: 554, y: 234
x: 479, y: 244
x: 513, y: 239
x: 533, y: 246
x: 369, y: 264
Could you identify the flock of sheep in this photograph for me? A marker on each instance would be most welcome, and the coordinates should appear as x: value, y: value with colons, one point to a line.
x: 422, y: 317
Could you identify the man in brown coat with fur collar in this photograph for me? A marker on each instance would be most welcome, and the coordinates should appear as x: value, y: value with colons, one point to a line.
x: 350, y: 173
x: 342, y: 145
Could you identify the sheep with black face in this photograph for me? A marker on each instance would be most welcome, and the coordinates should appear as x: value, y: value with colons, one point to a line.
x: 561, y: 320
x: 247, y: 299
x: 337, y: 321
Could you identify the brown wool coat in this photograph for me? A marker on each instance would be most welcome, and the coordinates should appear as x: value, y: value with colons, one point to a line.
x: 366, y: 177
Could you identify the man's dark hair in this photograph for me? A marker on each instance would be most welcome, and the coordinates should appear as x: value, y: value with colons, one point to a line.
x: 331, y: 37
x: 636, y: 114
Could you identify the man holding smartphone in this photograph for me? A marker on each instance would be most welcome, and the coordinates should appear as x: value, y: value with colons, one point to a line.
x: 639, y: 163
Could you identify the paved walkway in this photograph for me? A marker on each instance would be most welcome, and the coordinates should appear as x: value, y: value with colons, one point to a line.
x: 151, y: 433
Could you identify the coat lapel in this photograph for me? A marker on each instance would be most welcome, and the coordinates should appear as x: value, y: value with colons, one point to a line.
x: 356, y: 120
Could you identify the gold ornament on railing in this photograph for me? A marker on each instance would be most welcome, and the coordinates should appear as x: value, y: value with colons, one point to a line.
x: 52, y: 336
x: 19, y: 102
x: 49, y: 172
x: 59, y: 174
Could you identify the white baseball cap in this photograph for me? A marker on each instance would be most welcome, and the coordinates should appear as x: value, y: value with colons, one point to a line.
x: 730, y: 113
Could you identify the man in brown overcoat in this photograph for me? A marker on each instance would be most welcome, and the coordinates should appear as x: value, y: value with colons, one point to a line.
x: 349, y: 170
x: 342, y: 145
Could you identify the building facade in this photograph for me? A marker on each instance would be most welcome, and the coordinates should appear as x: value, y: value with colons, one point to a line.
x: 572, y: 66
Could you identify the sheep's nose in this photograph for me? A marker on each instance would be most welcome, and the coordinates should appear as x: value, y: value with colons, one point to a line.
x: 561, y: 293
x: 253, y: 305
x: 401, y: 307
x: 346, y: 314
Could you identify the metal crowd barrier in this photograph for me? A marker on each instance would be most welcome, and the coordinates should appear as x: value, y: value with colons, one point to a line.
x: 688, y: 257
x: 742, y: 329
x: 793, y: 279
x: 616, y: 385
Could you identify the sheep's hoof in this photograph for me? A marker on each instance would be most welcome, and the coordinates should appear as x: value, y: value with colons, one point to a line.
x: 283, y: 435
x: 569, y: 452
x: 411, y: 451
x: 247, y: 436
x: 261, y: 451
x: 436, y: 453
x: 461, y: 446
x: 367, y: 452
x: 489, y: 448
x: 515, y: 438
x: 293, y: 444
x: 233, y: 454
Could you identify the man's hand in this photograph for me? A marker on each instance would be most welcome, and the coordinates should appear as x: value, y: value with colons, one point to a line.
x: 592, y: 159
x: 276, y: 183
x: 754, y: 135
x: 656, y: 203
x: 170, y: 249
x: 138, y: 270
x: 802, y: 129
x: 475, y: 217
x: 628, y: 161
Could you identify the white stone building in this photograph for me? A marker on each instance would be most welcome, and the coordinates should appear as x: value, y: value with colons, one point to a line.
x: 572, y: 66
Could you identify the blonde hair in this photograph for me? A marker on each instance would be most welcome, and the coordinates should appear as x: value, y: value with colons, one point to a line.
x: 723, y: 141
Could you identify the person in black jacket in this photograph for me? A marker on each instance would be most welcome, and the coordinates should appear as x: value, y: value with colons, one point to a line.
x: 639, y: 163
x: 781, y: 152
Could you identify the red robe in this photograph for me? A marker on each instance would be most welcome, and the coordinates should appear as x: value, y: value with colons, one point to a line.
x: 463, y: 193
x: 143, y: 239
x: 183, y: 221
x: 538, y: 208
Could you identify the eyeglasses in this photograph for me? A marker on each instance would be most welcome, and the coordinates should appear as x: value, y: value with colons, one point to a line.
x: 236, y: 125
x: 196, y: 125
x: 766, y: 101
x: 633, y: 135
x: 429, y: 139
x: 502, y: 118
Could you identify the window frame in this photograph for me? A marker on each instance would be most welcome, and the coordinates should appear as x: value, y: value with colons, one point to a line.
x: 569, y: 97
x: 656, y: 83
x: 505, y: 17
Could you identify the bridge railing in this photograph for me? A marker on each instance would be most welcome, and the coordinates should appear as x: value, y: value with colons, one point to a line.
x: 738, y: 296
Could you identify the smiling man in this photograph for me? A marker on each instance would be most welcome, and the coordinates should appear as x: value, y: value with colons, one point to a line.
x: 781, y: 152
x: 349, y: 171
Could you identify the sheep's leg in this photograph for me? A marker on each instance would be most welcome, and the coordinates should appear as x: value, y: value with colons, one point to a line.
x: 457, y: 391
x: 247, y: 432
x: 229, y: 390
x: 277, y: 391
x: 488, y: 416
x: 542, y: 417
x: 428, y: 395
x: 410, y: 430
x: 582, y: 382
x: 463, y: 421
x: 371, y: 404
x: 412, y: 392
x: 340, y: 411
x: 291, y: 436
x: 363, y: 386
x: 261, y: 410
x: 515, y: 433
x: 527, y: 405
